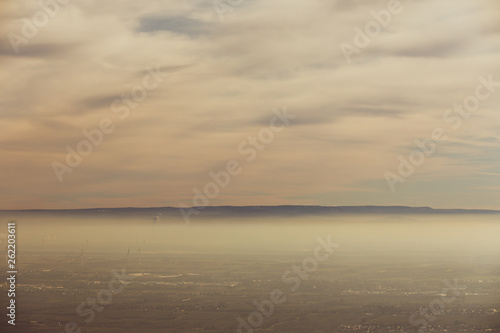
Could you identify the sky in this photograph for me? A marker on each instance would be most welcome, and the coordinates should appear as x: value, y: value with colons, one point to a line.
x: 283, y: 102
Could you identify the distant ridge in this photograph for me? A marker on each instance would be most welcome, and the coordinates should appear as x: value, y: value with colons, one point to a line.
x: 251, y: 211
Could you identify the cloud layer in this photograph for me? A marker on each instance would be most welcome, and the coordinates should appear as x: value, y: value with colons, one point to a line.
x: 220, y: 81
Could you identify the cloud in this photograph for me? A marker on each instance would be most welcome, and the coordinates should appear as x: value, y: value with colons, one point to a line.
x: 176, y: 24
x: 224, y: 79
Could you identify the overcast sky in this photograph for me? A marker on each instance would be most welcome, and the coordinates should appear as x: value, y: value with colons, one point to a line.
x: 223, y: 72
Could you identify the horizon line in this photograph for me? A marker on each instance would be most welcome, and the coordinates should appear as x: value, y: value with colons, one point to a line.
x: 247, y: 206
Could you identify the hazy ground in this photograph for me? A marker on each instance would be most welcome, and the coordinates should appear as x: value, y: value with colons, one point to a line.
x: 203, y: 276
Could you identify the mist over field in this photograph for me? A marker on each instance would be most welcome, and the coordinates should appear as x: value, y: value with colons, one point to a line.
x: 441, y: 235
x: 338, y: 273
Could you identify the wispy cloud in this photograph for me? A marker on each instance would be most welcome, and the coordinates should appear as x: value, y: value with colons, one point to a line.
x: 352, y: 119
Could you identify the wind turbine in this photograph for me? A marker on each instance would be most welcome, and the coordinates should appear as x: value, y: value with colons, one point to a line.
x: 81, y: 256
x: 140, y: 255
x: 156, y: 218
x: 128, y: 255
